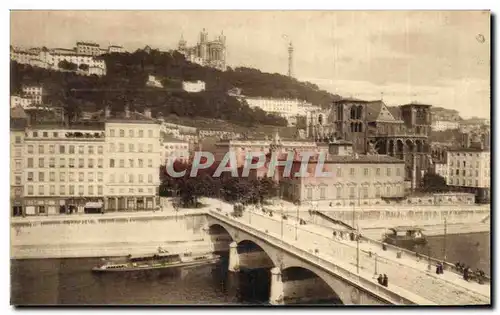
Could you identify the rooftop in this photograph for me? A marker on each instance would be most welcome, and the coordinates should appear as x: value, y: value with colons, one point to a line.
x: 360, y: 159
x: 470, y: 149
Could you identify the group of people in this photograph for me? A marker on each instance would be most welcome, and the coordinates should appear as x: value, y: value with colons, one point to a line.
x: 340, y: 235
x: 383, y: 280
x: 478, y: 274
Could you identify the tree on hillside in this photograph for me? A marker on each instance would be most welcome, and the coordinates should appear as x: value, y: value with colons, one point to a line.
x: 434, y: 183
x: 66, y: 65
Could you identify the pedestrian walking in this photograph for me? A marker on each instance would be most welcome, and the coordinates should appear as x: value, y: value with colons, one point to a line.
x: 385, y: 281
x: 466, y: 273
x: 380, y: 279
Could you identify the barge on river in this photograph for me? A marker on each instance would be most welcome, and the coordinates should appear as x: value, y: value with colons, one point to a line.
x: 160, y: 260
x: 405, y: 236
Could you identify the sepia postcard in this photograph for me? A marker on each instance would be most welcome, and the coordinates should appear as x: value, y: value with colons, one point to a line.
x: 250, y: 158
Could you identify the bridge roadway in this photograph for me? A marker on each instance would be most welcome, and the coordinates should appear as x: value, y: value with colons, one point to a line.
x: 406, y: 272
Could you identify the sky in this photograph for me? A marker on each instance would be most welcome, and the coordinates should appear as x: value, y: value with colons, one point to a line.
x: 441, y: 58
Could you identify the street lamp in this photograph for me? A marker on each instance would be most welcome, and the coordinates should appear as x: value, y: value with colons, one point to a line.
x: 444, y: 241
x: 281, y: 220
x: 297, y: 222
x: 357, y: 251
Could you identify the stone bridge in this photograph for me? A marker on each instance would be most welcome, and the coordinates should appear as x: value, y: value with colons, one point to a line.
x: 298, y: 274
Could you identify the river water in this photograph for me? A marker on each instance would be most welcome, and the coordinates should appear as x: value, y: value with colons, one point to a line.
x: 69, y: 281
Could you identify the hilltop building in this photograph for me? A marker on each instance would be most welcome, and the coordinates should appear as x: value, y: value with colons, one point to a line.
x: 206, y: 53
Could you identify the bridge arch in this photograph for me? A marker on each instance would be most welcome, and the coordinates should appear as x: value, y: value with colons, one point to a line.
x: 301, y: 285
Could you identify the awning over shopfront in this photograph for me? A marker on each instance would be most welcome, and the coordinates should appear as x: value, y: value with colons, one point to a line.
x: 93, y: 205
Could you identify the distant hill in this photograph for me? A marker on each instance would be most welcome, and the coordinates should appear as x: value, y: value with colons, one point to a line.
x: 125, y: 83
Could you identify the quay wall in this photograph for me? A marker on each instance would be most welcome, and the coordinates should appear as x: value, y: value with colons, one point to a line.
x: 102, y: 235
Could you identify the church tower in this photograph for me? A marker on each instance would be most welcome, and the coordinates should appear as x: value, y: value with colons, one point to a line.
x: 290, y: 60
x: 182, y: 44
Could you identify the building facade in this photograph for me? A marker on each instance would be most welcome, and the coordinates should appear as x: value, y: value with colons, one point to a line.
x: 469, y: 171
x: 133, y: 160
x: 112, y: 165
x: 33, y: 92
x: 193, y: 87
x: 354, y: 180
x: 441, y: 125
x: 290, y: 109
x: 205, y: 52
x: 174, y: 150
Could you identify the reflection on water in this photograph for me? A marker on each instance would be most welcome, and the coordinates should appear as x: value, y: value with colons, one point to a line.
x: 70, y: 281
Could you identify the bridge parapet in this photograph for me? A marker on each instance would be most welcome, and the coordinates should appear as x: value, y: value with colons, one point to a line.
x: 364, y: 281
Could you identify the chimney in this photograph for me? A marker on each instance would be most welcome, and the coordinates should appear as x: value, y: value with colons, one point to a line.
x: 127, y: 112
x: 147, y: 112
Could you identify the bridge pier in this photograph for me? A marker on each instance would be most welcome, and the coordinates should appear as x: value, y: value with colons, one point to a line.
x: 276, y: 293
x: 234, y: 258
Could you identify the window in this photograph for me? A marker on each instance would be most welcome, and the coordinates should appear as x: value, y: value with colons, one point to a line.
x: 91, y: 163
x: 81, y: 163
x: 99, y: 190
x: 463, y: 172
x: 18, y: 140
x: 457, y: 172
x: 52, y: 190
x: 80, y: 176
x: 122, y: 178
x: 45, y: 134
x: 62, y: 190
x: 62, y: 149
x: 71, y: 190
x: 91, y: 149
x: 309, y: 193
x: 150, y: 148
x: 131, y: 147
x: 141, y: 178
x: 141, y: 147
x: 111, y: 132
x: 465, y: 163
x: 41, y: 190
x: 99, y: 163
x: 463, y: 182
x: 99, y: 177
x: 62, y: 177
x: 30, y: 162
x: 388, y: 172
x: 150, y: 133
x: 40, y: 149
x: 30, y: 190
x: 365, y: 172
x: 398, y: 171
x: 52, y: 176
x: 80, y: 190
x: 35, y: 134
x: 469, y: 182
x: 365, y: 192
x: 111, y: 147
x: 71, y: 176
x: 99, y: 149
x: 322, y: 193
x: 111, y: 163
x: 121, y: 147
x: 150, y: 178
x: 351, y: 171
x: 388, y: 189
x: 52, y: 162
x: 122, y: 163
x: 71, y: 163
x: 150, y: 163
x: 30, y: 177
x: 71, y: 149
x: 131, y: 162
x: 477, y: 183
x: 91, y: 190
x: 18, y: 164
x: 451, y: 163
x: 122, y: 133
x: 112, y: 178
x: 90, y: 177
x: 141, y: 133
x: 30, y: 149
x: 131, y: 133
x: 131, y: 178
x: 52, y: 149
x: 18, y: 180
x: 377, y: 192
x: 41, y: 162
x: 141, y: 164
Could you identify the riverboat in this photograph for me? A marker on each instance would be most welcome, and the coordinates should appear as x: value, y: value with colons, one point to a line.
x: 405, y: 236
x: 160, y: 260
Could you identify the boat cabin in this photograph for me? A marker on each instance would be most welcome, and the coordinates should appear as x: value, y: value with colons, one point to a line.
x: 406, y: 232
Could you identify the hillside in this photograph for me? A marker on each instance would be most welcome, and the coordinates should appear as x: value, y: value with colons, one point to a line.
x: 125, y: 83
